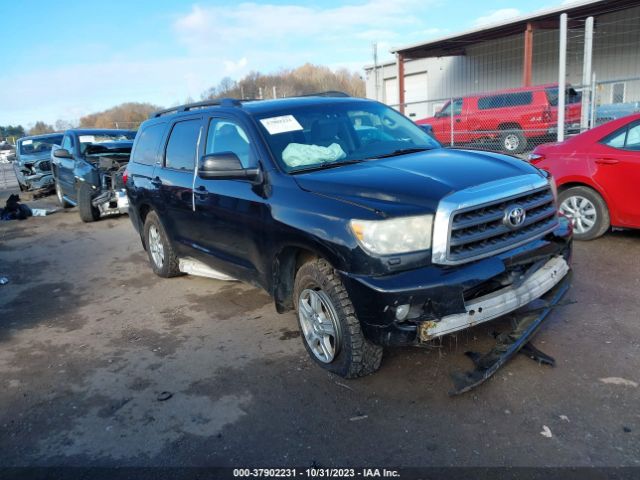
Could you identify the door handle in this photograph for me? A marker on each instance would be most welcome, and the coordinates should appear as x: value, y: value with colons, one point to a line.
x: 457, y: 120
x: 156, y: 182
x: 607, y: 161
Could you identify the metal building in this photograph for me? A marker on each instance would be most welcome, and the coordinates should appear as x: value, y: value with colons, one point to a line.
x: 523, y: 51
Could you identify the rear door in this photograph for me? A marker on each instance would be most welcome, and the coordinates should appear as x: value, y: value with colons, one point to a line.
x: 173, y: 181
x: 615, y: 162
x: 231, y: 213
x: 145, y: 157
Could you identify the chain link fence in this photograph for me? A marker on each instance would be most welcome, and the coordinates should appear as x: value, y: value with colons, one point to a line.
x: 475, y: 98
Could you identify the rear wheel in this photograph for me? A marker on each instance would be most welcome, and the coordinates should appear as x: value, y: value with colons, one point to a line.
x: 63, y: 203
x: 587, y: 211
x: 513, y: 141
x: 162, y: 256
x: 88, y: 213
x: 331, y: 332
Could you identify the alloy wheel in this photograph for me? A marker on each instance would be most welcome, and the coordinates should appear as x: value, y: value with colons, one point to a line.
x: 155, y: 246
x: 319, y: 322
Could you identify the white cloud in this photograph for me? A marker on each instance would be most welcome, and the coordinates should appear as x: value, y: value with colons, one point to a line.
x: 497, y: 16
x: 234, y: 67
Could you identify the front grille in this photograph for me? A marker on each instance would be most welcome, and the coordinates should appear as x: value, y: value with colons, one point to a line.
x: 480, y: 231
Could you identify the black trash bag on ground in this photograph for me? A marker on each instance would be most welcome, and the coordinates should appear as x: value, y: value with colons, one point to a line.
x: 14, y: 210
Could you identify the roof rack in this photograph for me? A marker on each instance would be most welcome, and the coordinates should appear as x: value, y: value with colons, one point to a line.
x: 234, y: 102
x: 328, y: 93
x: 221, y: 102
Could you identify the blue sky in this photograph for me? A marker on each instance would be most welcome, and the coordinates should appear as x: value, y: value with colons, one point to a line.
x: 64, y: 59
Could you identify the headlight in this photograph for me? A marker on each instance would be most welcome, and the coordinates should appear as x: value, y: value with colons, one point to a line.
x: 554, y: 189
x: 394, y: 236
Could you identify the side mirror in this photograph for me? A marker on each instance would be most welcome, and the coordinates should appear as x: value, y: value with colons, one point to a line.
x: 225, y: 166
x: 62, y: 153
x: 427, y: 128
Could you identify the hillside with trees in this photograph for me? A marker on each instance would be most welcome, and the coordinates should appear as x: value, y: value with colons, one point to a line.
x: 127, y: 115
x: 286, y: 83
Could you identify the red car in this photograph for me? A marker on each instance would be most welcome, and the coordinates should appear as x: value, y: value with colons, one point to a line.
x: 598, y: 176
x: 514, y: 117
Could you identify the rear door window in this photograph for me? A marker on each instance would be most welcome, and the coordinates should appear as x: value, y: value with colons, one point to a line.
x: 626, y: 138
x: 181, y: 150
x: 148, y: 144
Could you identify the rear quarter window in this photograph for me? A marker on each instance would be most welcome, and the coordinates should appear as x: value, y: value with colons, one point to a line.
x: 148, y: 144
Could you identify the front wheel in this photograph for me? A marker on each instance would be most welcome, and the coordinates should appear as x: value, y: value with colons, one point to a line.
x: 587, y: 211
x: 88, y: 213
x: 331, y: 333
x: 63, y: 203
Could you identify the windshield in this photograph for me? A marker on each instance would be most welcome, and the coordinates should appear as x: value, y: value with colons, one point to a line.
x: 308, y: 137
x: 32, y: 146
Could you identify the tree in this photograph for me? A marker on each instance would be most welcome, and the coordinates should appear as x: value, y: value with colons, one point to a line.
x: 62, y: 125
x: 127, y: 115
x: 41, y: 128
x: 300, y: 81
x: 11, y: 133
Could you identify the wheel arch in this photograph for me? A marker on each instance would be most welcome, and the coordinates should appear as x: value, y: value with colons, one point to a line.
x: 576, y: 181
x: 285, y: 265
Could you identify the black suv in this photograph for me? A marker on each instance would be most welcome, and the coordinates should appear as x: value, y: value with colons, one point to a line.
x: 88, y: 168
x: 349, y: 213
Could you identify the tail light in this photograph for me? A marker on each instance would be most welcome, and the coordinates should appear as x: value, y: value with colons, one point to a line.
x: 125, y: 176
x: 535, y: 158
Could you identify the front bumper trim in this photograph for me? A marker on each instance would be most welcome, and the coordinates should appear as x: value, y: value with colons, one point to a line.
x: 499, y: 303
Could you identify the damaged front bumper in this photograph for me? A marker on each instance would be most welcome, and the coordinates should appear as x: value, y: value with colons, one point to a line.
x: 499, y: 303
x: 437, y: 300
x: 112, y: 202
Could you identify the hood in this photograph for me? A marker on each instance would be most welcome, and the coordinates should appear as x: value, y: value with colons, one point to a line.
x: 411, y: 184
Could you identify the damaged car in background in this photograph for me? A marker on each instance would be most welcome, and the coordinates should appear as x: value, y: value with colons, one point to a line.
x: 88, y: 169
x: 33, y: 162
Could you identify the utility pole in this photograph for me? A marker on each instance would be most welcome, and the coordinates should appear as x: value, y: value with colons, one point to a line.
x: 275, y: 92
x: 562, y: 74
x: 586, y: 75
x: 375, y: 69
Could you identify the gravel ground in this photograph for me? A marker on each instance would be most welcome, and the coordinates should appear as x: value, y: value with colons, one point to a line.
x: 103, y: 363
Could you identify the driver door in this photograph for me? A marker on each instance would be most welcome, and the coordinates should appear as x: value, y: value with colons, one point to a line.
x: 66, y: 167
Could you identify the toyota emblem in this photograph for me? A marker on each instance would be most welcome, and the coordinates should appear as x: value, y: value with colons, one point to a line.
x: 514, y: 217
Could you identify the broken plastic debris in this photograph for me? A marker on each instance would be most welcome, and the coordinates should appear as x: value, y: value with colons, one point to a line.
x: 358, y: 417
x: 546, y: 432
x: 619, y: 381
x: 4, y: 280
x: 564, y: 418
x: 162, y: 396
x: 41, y: 212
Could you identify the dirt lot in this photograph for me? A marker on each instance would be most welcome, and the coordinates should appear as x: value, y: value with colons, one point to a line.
x: 103, y: 363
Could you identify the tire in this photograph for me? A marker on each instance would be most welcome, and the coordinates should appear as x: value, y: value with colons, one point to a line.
x: 593, y: 221
x: 63, y: 203
x: 88, y: 213
x: 350, y: 354
x: 513, y: 141
x: 160, y: 247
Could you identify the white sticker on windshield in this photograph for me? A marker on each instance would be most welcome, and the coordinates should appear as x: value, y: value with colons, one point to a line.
x: 27, y: 142
x: 87, y: 138
x: 283, y: 124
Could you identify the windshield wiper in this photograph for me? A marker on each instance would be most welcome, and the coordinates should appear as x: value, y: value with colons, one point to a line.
x: 402, y: 151
x: 325, y: 166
